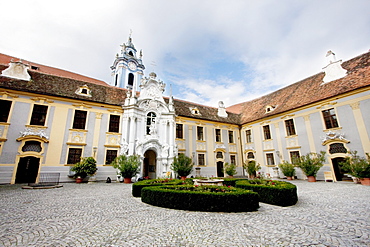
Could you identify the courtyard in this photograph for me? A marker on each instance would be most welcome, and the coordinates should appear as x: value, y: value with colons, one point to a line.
x: 105, y: 214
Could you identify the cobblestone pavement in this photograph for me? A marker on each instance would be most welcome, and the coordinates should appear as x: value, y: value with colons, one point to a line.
x: 100, y: 214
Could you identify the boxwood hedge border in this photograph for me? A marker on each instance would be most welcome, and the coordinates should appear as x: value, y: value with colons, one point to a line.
x: 281, y: 193
x: 137, y: 187
x: 239, y: 200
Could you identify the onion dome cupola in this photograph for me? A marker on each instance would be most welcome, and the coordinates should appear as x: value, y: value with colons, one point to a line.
x: 127, y: 68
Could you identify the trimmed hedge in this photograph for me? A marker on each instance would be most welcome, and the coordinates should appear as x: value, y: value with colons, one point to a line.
x: 136, y: 187
x: 232, y: 181
x: 178, y: 197
x: 275, y: 192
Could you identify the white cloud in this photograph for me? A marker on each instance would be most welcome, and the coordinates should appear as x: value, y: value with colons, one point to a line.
x: 278, y: 43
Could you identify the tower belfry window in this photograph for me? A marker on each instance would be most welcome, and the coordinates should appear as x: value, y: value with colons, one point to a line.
x: 130, y: 82
x: 130, y: 53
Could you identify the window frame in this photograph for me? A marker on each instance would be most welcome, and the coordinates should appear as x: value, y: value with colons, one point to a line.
x: 293, y: 154
x: 4, y: 112
x: 233, y: 159
x: 290, y: 127
x: 76, y: 118
x: 231, y: 136
x: 218, y: 135
x: 200, y: 133
x: 179, y: 131
x: 72, y: 156
x: 270, y: 157
x: 110, y: 156
x: 204, y: 159
x: 38, y: 116
x: 330, y: 118
x: 248, y: 136
x: 267, y: 132
x: 113, y: 124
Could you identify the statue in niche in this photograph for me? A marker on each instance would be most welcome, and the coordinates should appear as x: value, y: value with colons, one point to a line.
x: 124, y: 147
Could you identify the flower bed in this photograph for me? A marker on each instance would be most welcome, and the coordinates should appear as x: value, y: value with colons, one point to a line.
x: 272, y: 192
x: 201, y: 198
x: 136, y: 187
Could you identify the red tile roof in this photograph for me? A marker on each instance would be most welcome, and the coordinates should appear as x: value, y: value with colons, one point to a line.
x: 307, y: 91
x: 5, y: 60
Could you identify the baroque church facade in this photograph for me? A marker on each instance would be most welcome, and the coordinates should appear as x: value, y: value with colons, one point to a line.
x: 50, y: 118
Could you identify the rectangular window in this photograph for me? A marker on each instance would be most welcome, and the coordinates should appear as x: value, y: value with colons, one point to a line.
x: 290, y: 129
x: 266, y: 132
x: 179, y: 131
x: 110, y: 156
x: 231, y: 136
x: 248, y: 136
x: 74, y: 155
x: 201, y: 160
x: 233, y: 159
x: 79, y: 120
x: 39, y: 115
x: 270, y: 159
x: 294, y: 155
x: 4, y: 110
x: 114, y: 123
x: 330, y: 118
x: 218, y: 135
x: 200, y: 136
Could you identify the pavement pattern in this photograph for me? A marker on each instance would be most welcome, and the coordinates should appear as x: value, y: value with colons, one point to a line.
x: 102, y: 214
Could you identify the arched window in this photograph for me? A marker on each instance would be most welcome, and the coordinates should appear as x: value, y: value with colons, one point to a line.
x: 250, y: 155
x: 337, y: 148
x: 130, y: 80
x: 32, y: 146
x: 219, y: 155
x: 130, y: 53
x: 150, y: 119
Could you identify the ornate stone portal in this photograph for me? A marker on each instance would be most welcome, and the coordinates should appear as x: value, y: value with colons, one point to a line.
x: 148, y: 124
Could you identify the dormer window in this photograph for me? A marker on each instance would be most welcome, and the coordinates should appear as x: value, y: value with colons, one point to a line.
x: 194, y: 111
x: 270, y: 108
x: 34, y: 67
x: 84, y: 91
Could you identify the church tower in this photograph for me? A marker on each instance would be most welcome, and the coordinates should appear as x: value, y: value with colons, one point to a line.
x: 127, y: 69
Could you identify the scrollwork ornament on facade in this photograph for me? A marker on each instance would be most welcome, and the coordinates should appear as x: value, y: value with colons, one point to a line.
x: 33, y: 132
x: 333, y: 136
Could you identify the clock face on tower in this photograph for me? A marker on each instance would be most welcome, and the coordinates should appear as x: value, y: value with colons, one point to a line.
x: 131, y: 65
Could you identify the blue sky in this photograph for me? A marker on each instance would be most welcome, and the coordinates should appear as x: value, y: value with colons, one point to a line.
x: 209, y: 50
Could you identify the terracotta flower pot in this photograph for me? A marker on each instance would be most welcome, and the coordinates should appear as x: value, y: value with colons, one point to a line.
x: 289, y: 178
x: 365, y: 181
x: 311, y: 178
x: 79, y: 180
x: 183, y: 178
x: 127, y: 180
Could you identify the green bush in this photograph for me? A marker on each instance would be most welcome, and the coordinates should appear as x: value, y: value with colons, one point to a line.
x: 252, y: 168
x: 201, y: 198
x: 357, y: 166
x: 128, y: 166
x: 272, y: 192
x: 136, y: 187
x: 87, y: 166
x: 287, y: 169
x: 231, y: 181
x: 310, y: 163
x: 182, y: 165
x: 230, y: 169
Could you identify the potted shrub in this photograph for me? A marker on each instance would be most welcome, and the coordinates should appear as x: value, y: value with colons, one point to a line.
x: 86, y: 167
x: 358, y: 167
x: 310, y: 164
x: 287, y: 169
x: 230, y: 169
x: 252, y: 167
x: 128, y: 166
x: 182, y: 165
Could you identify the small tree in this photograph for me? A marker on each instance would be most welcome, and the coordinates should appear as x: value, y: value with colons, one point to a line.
x: 87, y: 166
x: 230, y: 169
x: 357, y: 166
x: 182, y: 165
x: 129, y: 166
x: 287, y: 169
x: 252, y: 167
x: 310, y: 163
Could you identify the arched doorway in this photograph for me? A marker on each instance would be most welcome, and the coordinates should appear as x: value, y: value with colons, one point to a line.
x: 27, y: 171
x: 338, y: 170
x: 150, y: 164
x: 220, y: 169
